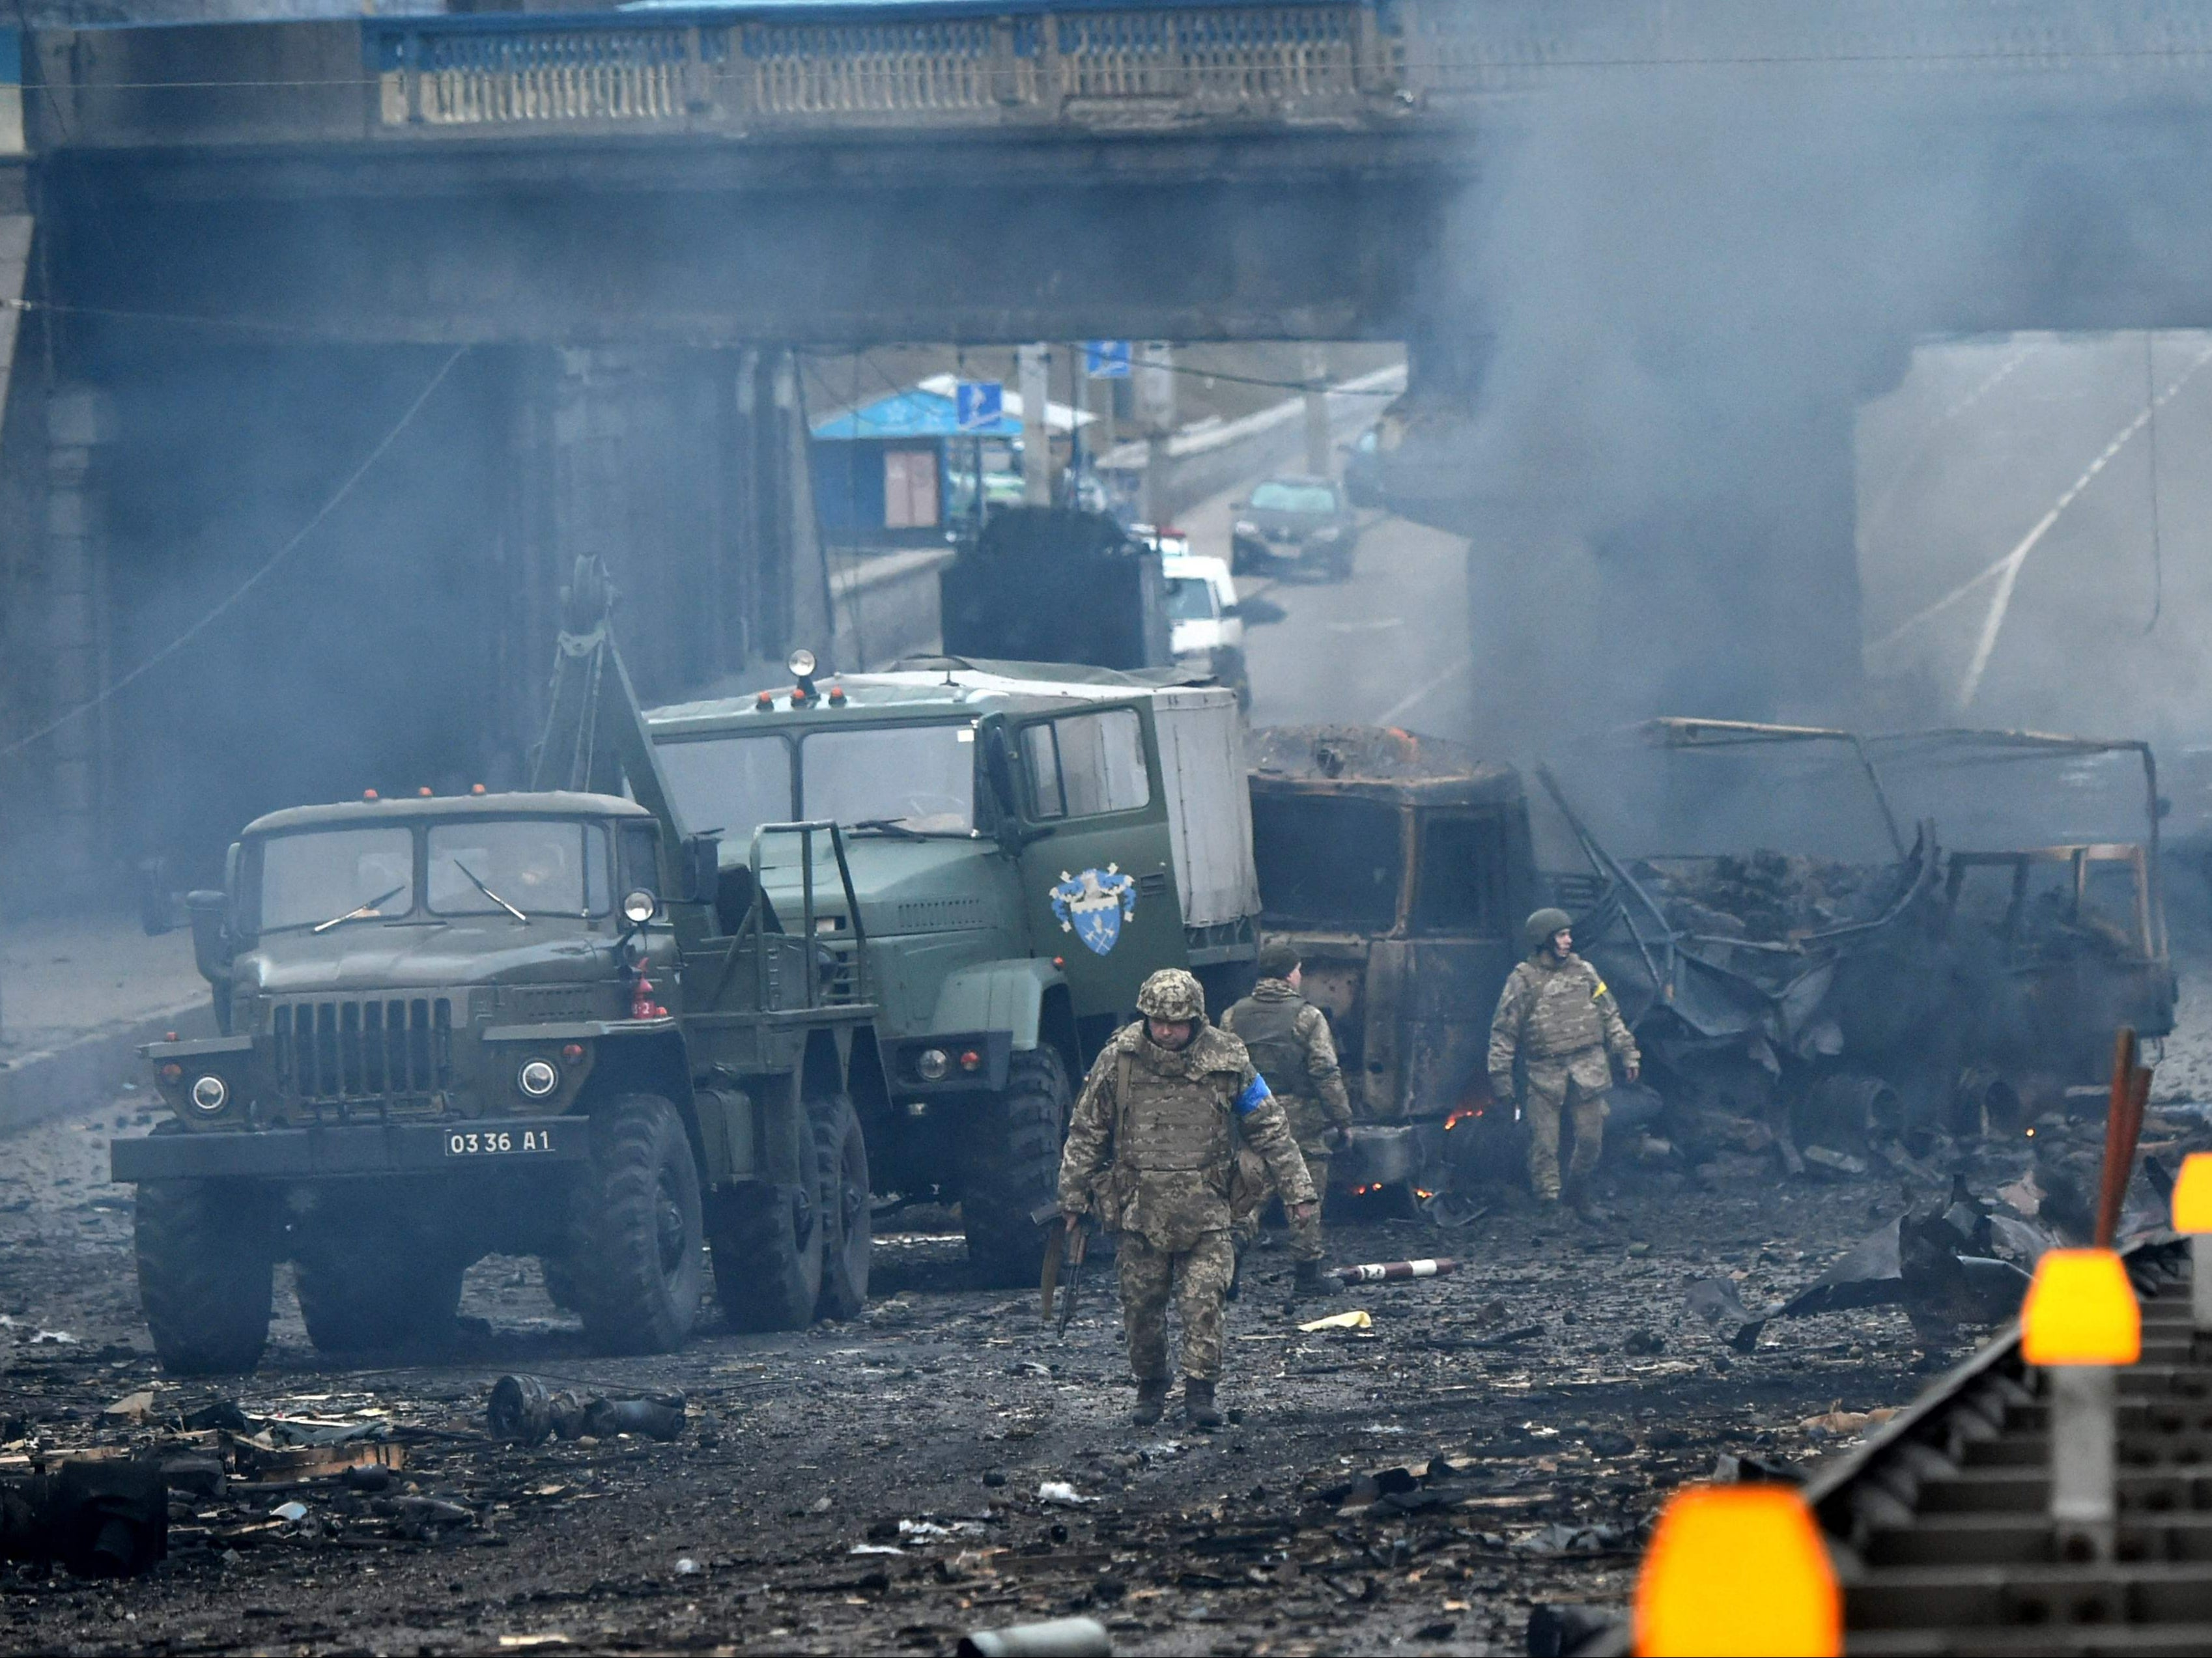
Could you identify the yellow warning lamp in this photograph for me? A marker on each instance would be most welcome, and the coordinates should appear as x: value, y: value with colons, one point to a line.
x: 1737, y: 1569
x: 2081, y: 1309
x: 2192, y: 1218
x: 2192, y: 1195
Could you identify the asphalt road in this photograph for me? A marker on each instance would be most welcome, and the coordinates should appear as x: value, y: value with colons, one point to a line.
x: 1391, y: 647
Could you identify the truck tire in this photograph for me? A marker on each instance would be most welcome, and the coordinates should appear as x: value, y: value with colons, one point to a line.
x: 770, y: 1253
x: 364, y: 1292
x: 1013, y: 1166
x: 635, y: 1229
x: 207, y: 1258
x: 849, y: 1236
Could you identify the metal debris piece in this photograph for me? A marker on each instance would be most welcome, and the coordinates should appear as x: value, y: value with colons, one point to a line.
x: 524, y: 1410
x: 1393, y: 1270
x: 1060, y: 1637
x: 1059, y: 1491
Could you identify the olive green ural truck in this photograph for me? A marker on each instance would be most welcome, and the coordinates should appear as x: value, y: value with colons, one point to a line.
x: 727, y: 970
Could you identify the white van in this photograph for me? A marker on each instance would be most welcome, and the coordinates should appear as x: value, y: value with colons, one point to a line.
x: 1206, y: 631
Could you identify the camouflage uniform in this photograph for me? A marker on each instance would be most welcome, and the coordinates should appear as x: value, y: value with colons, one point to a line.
x: 1288, y: 1038
x: 1557, y: 1015
x: 1151, y: 1146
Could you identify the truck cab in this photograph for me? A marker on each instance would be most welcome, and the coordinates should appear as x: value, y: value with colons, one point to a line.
x: 1026, y: 842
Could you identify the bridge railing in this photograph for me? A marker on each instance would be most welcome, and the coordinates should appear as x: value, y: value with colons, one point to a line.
x: 974, y: 64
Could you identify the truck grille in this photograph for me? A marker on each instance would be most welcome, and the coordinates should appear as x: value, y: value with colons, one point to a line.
x: 389, y: 1055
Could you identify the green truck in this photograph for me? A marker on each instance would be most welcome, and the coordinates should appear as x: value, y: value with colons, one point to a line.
x: 723, y: 975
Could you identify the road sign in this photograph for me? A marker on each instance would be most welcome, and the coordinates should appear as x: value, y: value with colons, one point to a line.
x: 1106, y: 360
x: 977, y: 404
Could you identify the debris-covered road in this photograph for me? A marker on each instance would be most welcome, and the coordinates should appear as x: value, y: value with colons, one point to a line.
x: 877, y: 1484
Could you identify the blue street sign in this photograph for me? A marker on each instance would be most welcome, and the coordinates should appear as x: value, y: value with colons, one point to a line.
x: 1106, y: 360
x: 977, y: 404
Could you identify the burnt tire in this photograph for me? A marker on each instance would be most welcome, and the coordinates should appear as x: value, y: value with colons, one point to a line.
x: 368, y: 1291
x: 1013, y: 1169
x: 848, y: 1234
x: 635, y: 1229
x: 207, y: 1258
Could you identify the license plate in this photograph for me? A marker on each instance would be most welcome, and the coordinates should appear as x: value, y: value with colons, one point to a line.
x: 498, y: 1142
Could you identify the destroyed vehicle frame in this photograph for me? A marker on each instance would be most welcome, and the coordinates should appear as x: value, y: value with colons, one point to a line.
x: 1399, y: 867
x: 1868, y: 1017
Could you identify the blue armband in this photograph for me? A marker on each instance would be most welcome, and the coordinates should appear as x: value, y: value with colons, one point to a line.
x: 1254, y: 1095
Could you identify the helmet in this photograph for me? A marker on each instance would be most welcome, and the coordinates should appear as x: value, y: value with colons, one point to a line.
x: 1277, y: 960
x: 1172, y: 994
x: 1540, y: 927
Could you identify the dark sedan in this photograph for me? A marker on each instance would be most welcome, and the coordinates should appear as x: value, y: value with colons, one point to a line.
x: 1295, y: 523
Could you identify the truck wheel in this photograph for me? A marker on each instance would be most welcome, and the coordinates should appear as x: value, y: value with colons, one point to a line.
x: 1013, y: 1167
x: 768, y: 1257
x: 359, y: 1293
x: 849, y: 1234
x: 635, y: 1228
x: 206, y: 1255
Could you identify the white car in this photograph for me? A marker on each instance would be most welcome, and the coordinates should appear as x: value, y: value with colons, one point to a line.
x: 1206, y: 629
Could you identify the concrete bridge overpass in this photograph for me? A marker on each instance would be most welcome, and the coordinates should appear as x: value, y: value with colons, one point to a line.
x: 1649, y: 257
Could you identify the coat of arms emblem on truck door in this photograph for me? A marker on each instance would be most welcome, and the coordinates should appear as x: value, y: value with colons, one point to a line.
x: 1094, y: 904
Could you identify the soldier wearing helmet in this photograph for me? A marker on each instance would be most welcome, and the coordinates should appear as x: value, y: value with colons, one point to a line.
x: 1558, y: 1019
x: 1152, y: 1148
x: 1288, y: 1038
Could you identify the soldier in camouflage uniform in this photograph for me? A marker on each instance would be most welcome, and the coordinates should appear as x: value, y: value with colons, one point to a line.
x: 1151, y: 1146
x: 1558, y: 1017
x: 1288, y: 1038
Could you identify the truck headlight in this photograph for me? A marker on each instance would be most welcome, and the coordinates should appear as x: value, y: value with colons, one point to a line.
x: 1244, y: 526
x: 637, y: 908
x: 538, y: 1079
x: 209, y: 1095
x: 931, y: 1064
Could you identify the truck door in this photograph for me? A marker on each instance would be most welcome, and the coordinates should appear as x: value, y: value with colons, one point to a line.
x: 1099, y: 878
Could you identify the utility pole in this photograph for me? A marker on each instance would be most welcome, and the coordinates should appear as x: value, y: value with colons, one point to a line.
x: 1155, y: 419
x: 1318, y: 444
x: 1033, y: 370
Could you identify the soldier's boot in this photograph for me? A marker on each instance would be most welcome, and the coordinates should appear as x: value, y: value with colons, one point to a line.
x: 1152, y: 1401
x: 1308, y: 1279
x: 1198, y: 1405
x: 1579, y: 1197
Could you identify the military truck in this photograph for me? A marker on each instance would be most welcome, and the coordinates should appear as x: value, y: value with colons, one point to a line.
x: 548, y: 1023
x: 1026, y: 842
x: 1057, y: 584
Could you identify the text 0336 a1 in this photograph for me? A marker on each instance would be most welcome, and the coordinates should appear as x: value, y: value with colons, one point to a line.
x: 497, y: 1142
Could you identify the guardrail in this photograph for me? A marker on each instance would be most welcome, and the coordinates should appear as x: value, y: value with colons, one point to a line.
x: 1119, y: 66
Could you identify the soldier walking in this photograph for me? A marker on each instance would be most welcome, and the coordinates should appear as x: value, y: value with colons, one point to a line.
x: 1288, y: 1038
x: 1151, y: 1147
x: 1557, y: 1016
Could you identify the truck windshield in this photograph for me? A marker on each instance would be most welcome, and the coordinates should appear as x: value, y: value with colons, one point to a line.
x: 542, y: 866
x: 733, y: 784
x: 914, y: 777
x: 308, y: 879
x: 1333, y: 860
x: 1190, y: 598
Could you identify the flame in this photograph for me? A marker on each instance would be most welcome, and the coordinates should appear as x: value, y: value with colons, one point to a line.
x: 1422, y: 1196
x: 1362, y: 1191
x: 1460, y: 1115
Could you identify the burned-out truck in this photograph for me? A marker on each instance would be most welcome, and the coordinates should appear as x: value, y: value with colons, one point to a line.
x: 1820, y: 939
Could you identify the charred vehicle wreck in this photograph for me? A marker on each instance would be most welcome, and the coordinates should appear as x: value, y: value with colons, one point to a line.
x: 1824, y: 942
x: 1866, y: 986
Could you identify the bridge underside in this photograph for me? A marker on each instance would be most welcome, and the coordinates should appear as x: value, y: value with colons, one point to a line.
x: 1635, y: 369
